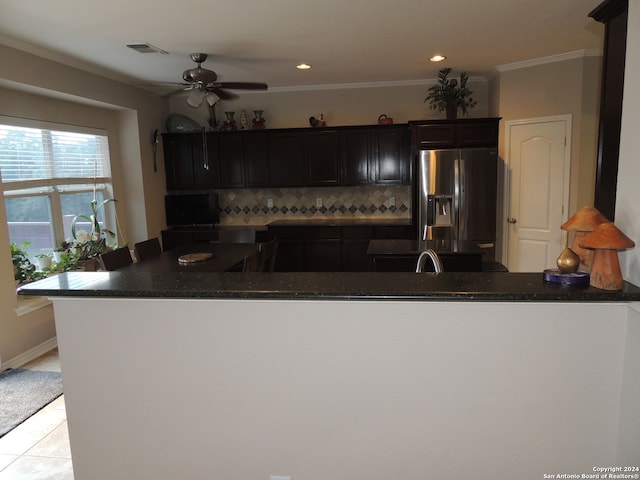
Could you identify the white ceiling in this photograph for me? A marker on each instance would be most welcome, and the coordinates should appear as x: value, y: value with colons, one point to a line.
x: 350, y: 41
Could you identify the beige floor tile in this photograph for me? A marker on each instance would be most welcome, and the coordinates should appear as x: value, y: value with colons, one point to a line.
x: 58, y: 403
x: 38, y: 468
x: 49, y: 362
x: 56, y: 444
x: 31, y: 431
x: 6, y: 460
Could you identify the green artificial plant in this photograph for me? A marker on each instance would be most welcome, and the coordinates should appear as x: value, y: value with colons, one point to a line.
x: 450, y: 94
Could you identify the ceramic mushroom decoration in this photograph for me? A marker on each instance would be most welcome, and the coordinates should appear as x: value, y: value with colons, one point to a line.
x: 606, y: 240
x: 583, y: 222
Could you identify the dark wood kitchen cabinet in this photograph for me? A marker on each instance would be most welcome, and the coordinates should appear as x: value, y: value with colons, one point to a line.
x: 355, y: 151
x: 322, y: 249
x: 256, y: 170
x: 322, y: 157
x: 231, y: 154
x: 391, y: 159
x: 191, y: 161
x: 296, y: 157
x: 285, y: 159
x: 464, y: 133
x: 329, y: 248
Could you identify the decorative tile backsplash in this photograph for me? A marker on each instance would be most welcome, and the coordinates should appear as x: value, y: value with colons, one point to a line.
x: 261, y: 206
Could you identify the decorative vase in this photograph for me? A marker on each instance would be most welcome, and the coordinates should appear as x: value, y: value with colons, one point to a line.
x: 568, y: 261
x: 229, y: 124
x: 452, y: 112
x: 244, y: 121
x: 258, y: 121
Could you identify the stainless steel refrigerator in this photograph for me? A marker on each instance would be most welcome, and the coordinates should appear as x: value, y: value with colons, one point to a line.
x: 456, y: 191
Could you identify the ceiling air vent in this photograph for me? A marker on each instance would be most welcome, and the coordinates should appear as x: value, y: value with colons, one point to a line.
x: 146, y: 48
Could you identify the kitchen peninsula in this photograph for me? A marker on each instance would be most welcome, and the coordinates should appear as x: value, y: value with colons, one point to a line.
x: 355, y: 375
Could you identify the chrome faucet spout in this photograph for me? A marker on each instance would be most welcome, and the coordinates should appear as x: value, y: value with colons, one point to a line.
x: 435, y: 260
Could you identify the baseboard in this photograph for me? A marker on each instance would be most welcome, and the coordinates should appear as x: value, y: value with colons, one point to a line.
x: 31, y: 354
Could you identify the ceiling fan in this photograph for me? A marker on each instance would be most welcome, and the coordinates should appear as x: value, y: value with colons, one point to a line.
x: 201, y: 84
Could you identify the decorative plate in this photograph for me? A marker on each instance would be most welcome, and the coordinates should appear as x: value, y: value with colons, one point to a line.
x: 194, y: 258
x: 177, y: 123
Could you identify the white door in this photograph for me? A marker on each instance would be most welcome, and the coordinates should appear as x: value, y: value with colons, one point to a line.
x: 538, y: 163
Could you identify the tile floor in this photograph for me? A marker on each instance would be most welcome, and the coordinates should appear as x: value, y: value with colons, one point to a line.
x: 39, y: 447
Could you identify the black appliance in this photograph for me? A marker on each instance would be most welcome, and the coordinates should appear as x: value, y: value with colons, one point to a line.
x: 184, y: 210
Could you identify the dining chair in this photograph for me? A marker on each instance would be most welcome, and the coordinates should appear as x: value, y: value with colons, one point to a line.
x: 237, y: 235
x: 268, y: 250
x: 120, y: 257
x: 252, y: 263
x: 147, y: 248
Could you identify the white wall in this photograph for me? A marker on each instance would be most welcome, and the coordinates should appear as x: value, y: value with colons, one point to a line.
x: 628, y: 192
x: 70, y: 96
x: 344, y: 390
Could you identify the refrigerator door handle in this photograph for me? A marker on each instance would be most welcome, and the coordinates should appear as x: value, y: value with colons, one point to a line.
x: 459, y: 192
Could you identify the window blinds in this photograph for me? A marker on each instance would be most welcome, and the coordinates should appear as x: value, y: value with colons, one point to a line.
x: 40, y: 154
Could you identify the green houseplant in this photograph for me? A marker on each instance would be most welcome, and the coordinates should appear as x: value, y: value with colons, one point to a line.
x: 23, y: 270
x: 87, y: 246
x: 449, y: 94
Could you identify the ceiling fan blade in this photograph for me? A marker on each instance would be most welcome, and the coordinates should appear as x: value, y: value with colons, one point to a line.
x: 223, y: 94
x: 242, y: 85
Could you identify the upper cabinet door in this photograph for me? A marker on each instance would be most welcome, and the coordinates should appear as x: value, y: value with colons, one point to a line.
x: 178, y: 164
x: 356, y: 147
x: 391, y: 154
x: 322, y: 157
x: 285, y: 159
x: 206, y: 164
x: 255, y: 159
x: 230, y: 151
x: 190, y: 161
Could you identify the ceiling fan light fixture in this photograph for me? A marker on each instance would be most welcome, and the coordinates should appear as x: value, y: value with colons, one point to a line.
x: 212, y: 98
x: 437, y: 58
x: 195, y: 98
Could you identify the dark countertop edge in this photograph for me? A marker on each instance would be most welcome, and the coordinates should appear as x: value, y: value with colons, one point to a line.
x: 447, y: 287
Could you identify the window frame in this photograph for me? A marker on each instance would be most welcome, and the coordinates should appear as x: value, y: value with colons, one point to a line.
x: 55, y: 187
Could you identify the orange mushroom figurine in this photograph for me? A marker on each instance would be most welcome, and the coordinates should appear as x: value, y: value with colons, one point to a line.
x: 583, y: 222
x: 606, y: 240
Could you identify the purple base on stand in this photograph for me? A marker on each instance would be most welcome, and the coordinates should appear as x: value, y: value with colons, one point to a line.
x: 553, y: 275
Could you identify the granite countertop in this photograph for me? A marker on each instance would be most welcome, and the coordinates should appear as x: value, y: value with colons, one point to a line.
x: 448, y: 286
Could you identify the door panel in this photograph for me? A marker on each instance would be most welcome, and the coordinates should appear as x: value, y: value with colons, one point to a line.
x: 538, y: 160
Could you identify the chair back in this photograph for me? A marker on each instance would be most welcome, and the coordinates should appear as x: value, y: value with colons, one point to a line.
x: 118, y: 258
x: 253, y: 262
x: 268, y: 250
x: 147, y: 248
x: 237, y: 235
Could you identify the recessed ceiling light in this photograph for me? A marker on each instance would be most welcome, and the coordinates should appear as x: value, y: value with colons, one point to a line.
x: 437, y: 58
x: 303, y: 66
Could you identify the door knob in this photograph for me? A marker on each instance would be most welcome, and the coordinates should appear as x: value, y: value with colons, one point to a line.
x: 512, y: 220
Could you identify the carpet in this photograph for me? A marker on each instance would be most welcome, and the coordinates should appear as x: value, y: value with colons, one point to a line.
x: 23, y: 393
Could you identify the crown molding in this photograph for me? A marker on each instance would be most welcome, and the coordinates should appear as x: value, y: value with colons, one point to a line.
x: 561, y: 57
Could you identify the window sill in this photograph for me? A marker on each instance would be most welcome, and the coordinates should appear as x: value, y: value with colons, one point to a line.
x: 31, y: 304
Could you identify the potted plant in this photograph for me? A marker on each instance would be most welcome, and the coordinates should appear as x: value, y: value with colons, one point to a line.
x: 449, y: 94
x: 23, y: 270
x: 44, y: 261
x: 87, y: 246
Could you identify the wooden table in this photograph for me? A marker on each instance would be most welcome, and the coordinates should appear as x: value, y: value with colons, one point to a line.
x: 226, y: 256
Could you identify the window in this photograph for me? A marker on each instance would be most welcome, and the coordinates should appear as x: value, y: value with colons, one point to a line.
x: 51, y: 173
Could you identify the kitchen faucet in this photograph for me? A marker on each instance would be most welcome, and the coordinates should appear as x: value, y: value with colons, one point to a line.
x: 435, y: 259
